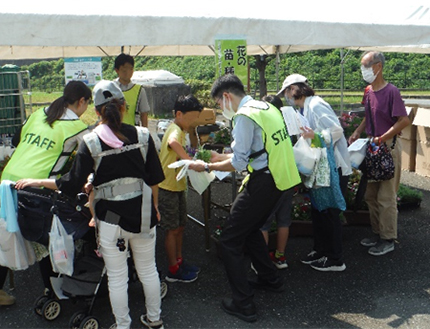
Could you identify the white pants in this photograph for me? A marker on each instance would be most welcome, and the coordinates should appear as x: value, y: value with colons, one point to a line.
x: 143, y: 251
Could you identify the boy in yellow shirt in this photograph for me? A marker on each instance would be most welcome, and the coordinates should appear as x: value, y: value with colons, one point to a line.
x: 172, y: 193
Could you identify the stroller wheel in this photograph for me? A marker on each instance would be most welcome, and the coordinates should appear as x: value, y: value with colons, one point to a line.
x: 76, y: 319
x: 90, y: 322
x: 38, y: 304
x: 51, y: 309
x: 163, y: 289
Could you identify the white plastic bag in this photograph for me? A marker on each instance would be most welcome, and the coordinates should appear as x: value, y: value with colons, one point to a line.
x: 304, y: 156
x: 357, y: 152
x: 199, y: 180
x: 16, y: 253
x: 61, y: 248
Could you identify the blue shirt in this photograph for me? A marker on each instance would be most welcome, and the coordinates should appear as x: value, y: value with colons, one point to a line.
x: 247, y: 139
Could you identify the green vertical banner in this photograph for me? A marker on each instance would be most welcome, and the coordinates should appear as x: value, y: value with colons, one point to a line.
x: 231, y: 57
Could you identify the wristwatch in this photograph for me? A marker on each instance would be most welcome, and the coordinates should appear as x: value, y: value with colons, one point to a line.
x: 207, y: 167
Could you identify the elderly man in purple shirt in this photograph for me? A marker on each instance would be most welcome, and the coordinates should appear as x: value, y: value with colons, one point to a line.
x: 386, y: 110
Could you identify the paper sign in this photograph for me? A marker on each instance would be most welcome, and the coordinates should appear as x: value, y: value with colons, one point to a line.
x: 293, y: 120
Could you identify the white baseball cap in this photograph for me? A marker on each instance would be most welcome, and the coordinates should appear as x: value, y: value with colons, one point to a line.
x: 105, y: 91
x: 290, y: 80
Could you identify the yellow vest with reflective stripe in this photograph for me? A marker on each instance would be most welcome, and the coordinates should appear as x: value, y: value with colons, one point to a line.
x: 131, y: 97
x: 276, y: 141
x: 41, y: 147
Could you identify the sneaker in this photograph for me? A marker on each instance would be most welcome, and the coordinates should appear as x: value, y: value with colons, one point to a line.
x: 181, y: 276
x: 280, y: 262
x: 370, y: 242
x: 189, y: 267
x: 327, y: 265
x: 313, y: 256
x: 277, y: 285
x: 151, y: 324
x: 113, y: 326
x: 382, y: 247
x: 6, y: 299
x: 246, y: 313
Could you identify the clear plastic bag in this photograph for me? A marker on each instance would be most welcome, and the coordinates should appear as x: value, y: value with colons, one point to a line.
x: 61, y: 248
x: 305, y: 156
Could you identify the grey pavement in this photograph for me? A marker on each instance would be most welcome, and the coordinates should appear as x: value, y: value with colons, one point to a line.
x: 391, y: 291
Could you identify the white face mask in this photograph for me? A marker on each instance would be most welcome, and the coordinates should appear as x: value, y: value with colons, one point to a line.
x: 367, y: 73
x: 227, y: 112
x: 290, y: 101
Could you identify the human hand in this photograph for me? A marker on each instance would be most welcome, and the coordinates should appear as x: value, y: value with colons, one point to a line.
x: 197, y: 165
x: 22, y: 183
x: 307, y: 132
x: 158, y: 213
x: 353, y: 137
x: 88, y: 187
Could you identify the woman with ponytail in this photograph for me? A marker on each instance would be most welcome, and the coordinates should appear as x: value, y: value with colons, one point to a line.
x: 126, y: 169
x: 43, y: 146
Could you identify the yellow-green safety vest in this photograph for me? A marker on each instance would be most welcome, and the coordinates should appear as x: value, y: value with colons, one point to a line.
x: 131, y: 97
x: 45, y: 146
x: 276, y: 141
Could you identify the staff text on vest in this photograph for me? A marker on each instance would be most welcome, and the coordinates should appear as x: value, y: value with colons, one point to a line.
x: 39, y: 141
x: 280, y: 135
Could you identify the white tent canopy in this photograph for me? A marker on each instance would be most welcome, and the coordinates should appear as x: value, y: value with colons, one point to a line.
x: 52, y: 29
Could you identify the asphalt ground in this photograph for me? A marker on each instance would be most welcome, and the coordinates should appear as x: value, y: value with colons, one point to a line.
x: 391, y: 291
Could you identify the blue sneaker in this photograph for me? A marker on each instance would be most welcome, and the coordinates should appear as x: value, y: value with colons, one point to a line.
x: 181, y: 276
x: 189, y: 267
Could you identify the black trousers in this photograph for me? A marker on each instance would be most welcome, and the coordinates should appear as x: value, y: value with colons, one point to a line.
x: 242, y: 232
x: 327, y: 227
x: 3, y: 275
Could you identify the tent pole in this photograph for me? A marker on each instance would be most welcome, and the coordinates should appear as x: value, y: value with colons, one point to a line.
x: 277, y: 67
x: 341, y: 80
x: 342, y: 74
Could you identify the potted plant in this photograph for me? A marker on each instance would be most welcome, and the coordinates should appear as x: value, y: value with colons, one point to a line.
x: 223, y: 136
x: 408, y: 198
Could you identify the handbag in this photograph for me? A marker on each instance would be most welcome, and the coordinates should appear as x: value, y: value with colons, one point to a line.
x: 61, y: 248
x: 323, y: 198
x: 36, y: 207
x: 379, y: 162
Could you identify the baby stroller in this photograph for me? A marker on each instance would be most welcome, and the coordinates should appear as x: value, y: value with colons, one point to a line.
x: 36, y: 207
x: 87, y: 281
x: 88, y: 276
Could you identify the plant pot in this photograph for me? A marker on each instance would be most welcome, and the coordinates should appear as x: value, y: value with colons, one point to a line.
x: 408, y: 205
x: 359, y: 217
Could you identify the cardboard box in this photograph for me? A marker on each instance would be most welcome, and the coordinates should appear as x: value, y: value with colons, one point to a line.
x: 422, y: 121
x: 410, y: 132
x: 409, y: 152
x: 206, y: 117
x: 422, y: 165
